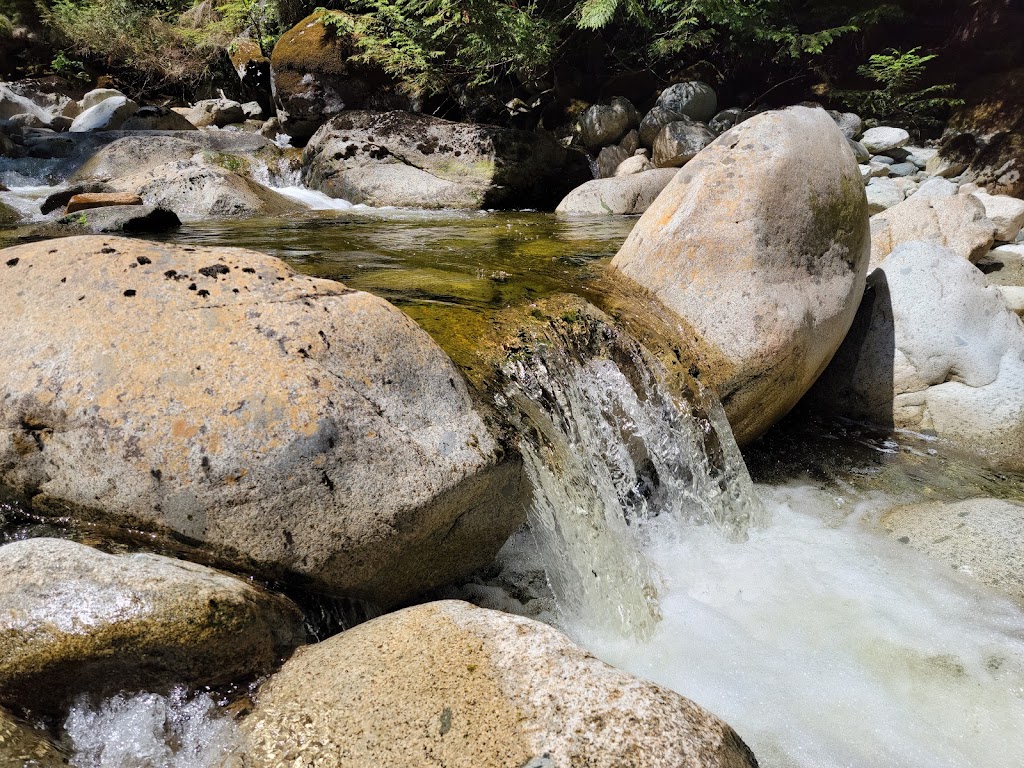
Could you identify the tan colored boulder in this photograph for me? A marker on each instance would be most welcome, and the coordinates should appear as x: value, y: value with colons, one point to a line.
x: 1006, y: 212
x: 956, y: 222
x: 621, y: 195
x: 280, y: 424
x: 450, y: 684
x: 759, y: 248
x: 76, y: 620
x: 88, y: 200
x: 981, y: 538
x: 25, y: 747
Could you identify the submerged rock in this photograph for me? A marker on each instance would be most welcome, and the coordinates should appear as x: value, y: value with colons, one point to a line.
x: 934, y: 349
x: 621, y: 195
x: 76, y: 620
x: 957, y: 222
x: 405, y: 159
x: 981, y: 538
x: 280, y: 424
x: 759, y: 248
x: 25, y: 747
x: 452, y: 684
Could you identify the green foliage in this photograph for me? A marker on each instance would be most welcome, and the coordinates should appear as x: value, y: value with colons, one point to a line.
x: 435, y: 45
x: 258, y: 18
x: 6, y: 26
x: 68, y: 67
x: 896, y: 98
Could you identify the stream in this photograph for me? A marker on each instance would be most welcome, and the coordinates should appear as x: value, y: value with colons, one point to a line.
x: 762, y: 586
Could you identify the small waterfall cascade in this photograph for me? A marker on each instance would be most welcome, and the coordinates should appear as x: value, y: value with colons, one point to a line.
x: 616, y: 459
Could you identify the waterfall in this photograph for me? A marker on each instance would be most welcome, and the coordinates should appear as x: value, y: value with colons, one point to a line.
x: 615, y: 459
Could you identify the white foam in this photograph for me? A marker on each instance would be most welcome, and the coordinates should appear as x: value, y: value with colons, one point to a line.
x: 316, y: 201
x: 151, y: 731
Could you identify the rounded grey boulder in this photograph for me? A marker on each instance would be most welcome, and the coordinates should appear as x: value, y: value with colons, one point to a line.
x: 694, y: 99
x: 679, y: 142
x: 604, y: 124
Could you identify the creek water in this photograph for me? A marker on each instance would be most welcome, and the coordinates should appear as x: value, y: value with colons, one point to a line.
x: 761, y: 585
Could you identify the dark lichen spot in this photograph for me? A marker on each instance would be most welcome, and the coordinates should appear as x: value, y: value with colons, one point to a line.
x: 204, y: 293
x: 193, y: 287
x: 326, y: 480
x: 205, y: 463
x: 108, y: 249
x: 904, y: 539
x: 171, y: 273
x: 130, y: 292
x: 213, y: 270
x: 288, y: 540
x: 144, y: 260
x: 63, y: 279
x: 12, y: 262
x: 156, y: 473
x: 249, y: 270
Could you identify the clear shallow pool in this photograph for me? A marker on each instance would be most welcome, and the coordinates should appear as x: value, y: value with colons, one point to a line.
x: 823, y: 641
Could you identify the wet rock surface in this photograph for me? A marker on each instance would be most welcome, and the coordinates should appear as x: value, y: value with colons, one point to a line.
x: 76, y: 620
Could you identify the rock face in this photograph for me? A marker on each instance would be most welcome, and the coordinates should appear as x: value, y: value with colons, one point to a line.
x: 24, y: 747
x: 400, y: 158
x: 957, y: 222
x: 1007, y: 213
x: 622, y: 195
x: 760, y: 246
x: 934, y: 349
x: 694, y: 99
x: 654, y: 121
x: 108, y: 115
x: 604, y: 124
x: 281, y: 424
x: 679, y: 142
x: 451, y: 684
x: 314, y: 78
x: 981, y: 538
x: 74, y: 619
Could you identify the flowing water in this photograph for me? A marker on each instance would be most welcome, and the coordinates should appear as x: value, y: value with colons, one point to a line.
x: 778, y: 602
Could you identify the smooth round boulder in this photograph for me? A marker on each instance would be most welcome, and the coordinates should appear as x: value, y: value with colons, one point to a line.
x: 75, y: 620
x: 934, y: 349
x: 604, y: 124
x: 216, y: 112
x: 679, y: 142
x: 609, y: 159
x: 1006, y: 212
x: 275, y: 423
x: 884, y: 139
x: 95, y: 96
x: 451, y: 684
x: 109, y: 115
x: 315, y: 76
x: 694, y: 99
x: 759, y: 247
x: 957, y: 222
x: 653, y: 122
x: 625, y: 195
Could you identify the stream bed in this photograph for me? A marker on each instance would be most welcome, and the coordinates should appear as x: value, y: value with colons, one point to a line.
x: 821, y: 639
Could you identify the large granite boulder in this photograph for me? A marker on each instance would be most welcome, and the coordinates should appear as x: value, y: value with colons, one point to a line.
x: 76, y: 620
x: 405, y: 159
x: 759, y: 247
x: 934, y: 349
x: 108, y: 115
x: 957, y: 222
x: 450, y: 684
x: 315, y: 77
x: 279, y: 424
x: 622, y: 195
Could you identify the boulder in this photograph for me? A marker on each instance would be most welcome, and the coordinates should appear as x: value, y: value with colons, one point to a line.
x: 653, y: 122
x: 634, y: 164
x: 622, y: 195
x: 109, y: 115
x: 883, y: 194
x: 129, y: 219
x: 275, y: 423
x: 86, y: 200
x: 934, y: 349
x: 25, y: 747
x: 860, y: 152
x: 13, y: 103
x: 884, y: 139
x: 1007, y: 213
x: 400, y: 158
x: 903, y: 169
x: 604, y: 124
x: 679, y: 141
x: 96, y: 96
x: 849, y: 123
x: 981, y: 538
x: 76, y: 620
x: 937, y: 187
x: 957, y: 222
x: 1004, y: 265
x: 217, y: 112
x: 609, y: 159
x: 315, y: 77
x: 157, y: 119
x: 694, y: 99
x: 447, y: 683
x: 727, y: 118
x: 28, y: 120
x: 759, y: 247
